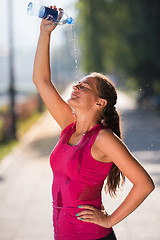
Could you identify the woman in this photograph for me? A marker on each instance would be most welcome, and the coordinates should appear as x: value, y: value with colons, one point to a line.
x: 89, y: 150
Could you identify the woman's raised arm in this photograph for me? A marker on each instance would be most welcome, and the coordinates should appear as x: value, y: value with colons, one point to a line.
x: 58, y: 108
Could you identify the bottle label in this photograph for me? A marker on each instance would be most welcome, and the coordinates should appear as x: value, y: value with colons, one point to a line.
x: 48, y: 14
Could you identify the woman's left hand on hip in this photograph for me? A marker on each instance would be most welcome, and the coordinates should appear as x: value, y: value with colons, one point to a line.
x: 94, y: 215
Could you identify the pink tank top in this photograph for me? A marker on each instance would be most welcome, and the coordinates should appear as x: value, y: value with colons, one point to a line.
x: 77, y: 179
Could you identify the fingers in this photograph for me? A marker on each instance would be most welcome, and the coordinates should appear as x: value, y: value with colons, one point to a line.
x: 91, y: 220
x: 61, y: 12
x: 53, y: 7
x: 94, y: 215
x: 87, y: 207
x: 85, y: 212
x: 61, y: 9
x: 90, y: 214
x: 86, y: 215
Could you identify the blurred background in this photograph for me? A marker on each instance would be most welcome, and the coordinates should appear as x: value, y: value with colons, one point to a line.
x: 19, y: 101
x: 119, y: 38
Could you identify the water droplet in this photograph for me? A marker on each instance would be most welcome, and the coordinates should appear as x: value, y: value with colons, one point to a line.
x: 75, y: 50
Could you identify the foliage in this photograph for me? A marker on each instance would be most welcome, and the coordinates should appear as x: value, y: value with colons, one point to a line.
x: 91, y: 15
x: 122, y: 37
x: 6, y: 144
x: 27, y: 113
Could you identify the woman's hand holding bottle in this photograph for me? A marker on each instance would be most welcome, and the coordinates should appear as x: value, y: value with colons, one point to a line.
x: 49, y: 26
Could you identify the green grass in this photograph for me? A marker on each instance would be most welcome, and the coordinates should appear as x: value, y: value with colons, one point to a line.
x: 22, y: 127
x: 5, y: 148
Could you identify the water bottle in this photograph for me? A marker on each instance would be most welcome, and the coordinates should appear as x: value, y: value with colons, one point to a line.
x: 35, y: 9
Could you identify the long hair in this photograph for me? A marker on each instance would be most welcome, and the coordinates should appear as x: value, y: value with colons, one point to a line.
x: 110, y: 118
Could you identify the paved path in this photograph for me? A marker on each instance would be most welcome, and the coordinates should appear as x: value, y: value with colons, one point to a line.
x: 26, y: 177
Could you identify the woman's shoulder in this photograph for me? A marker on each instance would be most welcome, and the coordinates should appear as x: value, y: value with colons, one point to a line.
x: 104, y: 132
x: 106, y: 138
x: 101, y: 143
x: 107, y: 145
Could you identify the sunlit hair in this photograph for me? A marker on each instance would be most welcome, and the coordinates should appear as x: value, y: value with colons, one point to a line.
x: 110, y: 118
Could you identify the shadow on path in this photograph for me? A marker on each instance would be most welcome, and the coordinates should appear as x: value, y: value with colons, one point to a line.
x: 142, y: 137
x: 142, y: 130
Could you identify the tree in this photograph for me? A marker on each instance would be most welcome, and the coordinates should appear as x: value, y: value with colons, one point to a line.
x: 122, y: 37
x: 92, y: 34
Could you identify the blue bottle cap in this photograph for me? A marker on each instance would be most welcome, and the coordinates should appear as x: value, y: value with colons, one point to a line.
x: 70, y: 20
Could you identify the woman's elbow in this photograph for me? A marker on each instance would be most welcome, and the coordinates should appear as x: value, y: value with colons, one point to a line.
x: 149, y: 187
x: 145, y: 186
x: 152, y: 187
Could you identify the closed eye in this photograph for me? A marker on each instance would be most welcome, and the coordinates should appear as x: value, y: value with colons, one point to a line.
x: 83, y: 87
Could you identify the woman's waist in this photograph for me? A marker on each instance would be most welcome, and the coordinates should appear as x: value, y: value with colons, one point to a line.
x: 67, y: 226
x: 66, y: 205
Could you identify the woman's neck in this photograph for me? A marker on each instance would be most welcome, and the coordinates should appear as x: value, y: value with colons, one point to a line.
x: 84, y: 124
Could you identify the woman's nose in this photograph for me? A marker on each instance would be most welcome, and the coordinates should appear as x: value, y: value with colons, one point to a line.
x: 75, y: 87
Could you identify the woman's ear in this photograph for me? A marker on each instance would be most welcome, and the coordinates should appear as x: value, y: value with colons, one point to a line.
x: 101, y: 103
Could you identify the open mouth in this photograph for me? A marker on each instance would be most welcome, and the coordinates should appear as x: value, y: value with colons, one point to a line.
x: 73, y: 95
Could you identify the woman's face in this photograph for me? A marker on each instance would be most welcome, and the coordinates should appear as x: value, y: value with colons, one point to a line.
x: 85, y: 94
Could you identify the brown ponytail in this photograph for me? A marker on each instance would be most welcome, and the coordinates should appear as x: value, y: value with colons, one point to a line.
x: 110, y: 118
